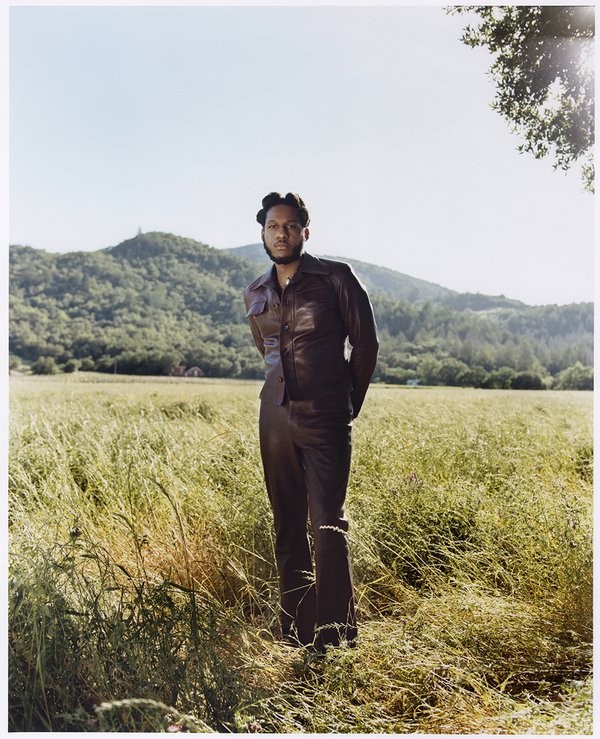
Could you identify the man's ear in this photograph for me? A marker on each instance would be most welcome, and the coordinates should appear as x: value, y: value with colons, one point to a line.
x: 262, y: 232
x: 306, y: 234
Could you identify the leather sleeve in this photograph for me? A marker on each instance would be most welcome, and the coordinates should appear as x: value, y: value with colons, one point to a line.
x: 256, y: 334
x: 359, y: 320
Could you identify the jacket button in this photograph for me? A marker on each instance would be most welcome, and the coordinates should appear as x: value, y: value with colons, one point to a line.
x: 285, y: 352
x: 285, y: 326
x: 280, y: 379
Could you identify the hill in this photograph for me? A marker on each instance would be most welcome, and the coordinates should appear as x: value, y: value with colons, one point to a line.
x: 393, y: 284
x: 158, y: 300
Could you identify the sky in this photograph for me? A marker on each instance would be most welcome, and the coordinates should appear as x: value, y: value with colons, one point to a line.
x: 180, y: 119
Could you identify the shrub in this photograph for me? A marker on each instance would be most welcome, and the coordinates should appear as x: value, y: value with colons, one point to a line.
x: 576, y: 377
x: 72, y: 365
x: 44, y: 366
x: 527, y: 381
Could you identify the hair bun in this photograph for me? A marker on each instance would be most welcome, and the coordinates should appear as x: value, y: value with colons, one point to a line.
x: 276, y: 198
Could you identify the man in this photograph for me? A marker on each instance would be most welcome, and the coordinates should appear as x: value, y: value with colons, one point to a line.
x: 302, y: 313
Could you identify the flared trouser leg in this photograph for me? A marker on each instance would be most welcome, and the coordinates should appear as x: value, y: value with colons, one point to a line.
x: 306, y: 450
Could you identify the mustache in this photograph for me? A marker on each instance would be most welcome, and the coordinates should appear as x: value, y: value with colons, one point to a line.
x: 296, y: 254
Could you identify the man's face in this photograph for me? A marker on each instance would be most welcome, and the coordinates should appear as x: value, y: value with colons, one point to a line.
x: 283, y: 235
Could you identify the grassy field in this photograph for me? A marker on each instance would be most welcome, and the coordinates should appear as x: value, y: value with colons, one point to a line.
x: 143, y: 594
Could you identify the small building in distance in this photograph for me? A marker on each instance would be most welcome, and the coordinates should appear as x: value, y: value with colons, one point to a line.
x: 194, y: 372
x: 178, y: 371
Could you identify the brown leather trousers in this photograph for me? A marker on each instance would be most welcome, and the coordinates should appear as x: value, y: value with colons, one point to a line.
x: 306, y: 448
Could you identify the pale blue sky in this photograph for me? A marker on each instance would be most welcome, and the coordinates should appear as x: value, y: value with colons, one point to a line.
x: 180, y: 119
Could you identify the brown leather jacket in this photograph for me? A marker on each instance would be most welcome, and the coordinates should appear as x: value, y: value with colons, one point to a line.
x: 302, y: 332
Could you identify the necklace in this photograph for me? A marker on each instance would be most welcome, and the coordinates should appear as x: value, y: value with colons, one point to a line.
x: 286, y: 282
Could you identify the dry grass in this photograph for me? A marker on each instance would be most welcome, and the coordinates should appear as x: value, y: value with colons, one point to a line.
x: 143, y: 594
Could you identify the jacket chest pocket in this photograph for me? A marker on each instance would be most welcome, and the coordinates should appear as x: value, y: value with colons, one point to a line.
x: 257, y: 307
x: 320, y: 294
x: 265, y: 315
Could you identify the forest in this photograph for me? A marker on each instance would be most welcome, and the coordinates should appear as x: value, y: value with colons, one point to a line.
x: 159, y: 301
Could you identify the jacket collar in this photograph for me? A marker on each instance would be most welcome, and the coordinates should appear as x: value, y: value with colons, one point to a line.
x: 313, y: 265
x: 308, y: 264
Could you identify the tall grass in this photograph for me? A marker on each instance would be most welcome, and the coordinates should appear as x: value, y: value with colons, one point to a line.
x: 143, y: 593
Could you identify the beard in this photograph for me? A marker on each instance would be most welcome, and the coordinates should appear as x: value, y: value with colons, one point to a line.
x: 293, y: 257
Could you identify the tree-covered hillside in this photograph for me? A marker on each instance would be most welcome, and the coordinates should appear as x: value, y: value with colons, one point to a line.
x: 158, y: 301
x: 143, y: 306
x: 393, y: 284
x: 377, y: 279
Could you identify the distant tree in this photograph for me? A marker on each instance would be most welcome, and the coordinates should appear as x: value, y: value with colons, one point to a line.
x: 500, y: 379
x: 452, y: 371
x: 543, y: 71
x: 576, y: 377
x: 526, y: 359
x: 527, y: 381
x: 473, y: 377
x: 105, y: 363
x: 428, y: 370
x: 72, y: 365
x: 87, y: 364
x: 44, y: 366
